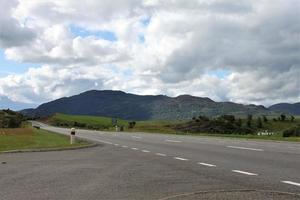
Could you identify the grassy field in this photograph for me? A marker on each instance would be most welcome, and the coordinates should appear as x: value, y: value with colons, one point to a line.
x: 29, y: 138
x: 84, y: 121
x: 165, y: 126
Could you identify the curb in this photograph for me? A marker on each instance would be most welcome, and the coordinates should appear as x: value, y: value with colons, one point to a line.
x: 50, y: 149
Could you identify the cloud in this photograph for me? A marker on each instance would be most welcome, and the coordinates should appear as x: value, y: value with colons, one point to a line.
x: 12, y: 33
x: 168, y: 47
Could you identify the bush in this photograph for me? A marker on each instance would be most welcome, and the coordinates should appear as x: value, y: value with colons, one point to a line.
x: 131, y: 124
x: 295, y: 131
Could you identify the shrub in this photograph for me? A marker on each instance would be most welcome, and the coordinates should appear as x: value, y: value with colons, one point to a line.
x: 295, y: 131
x: 131, y: 124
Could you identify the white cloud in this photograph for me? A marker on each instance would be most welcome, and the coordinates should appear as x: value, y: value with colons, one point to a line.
x: 257, y: 42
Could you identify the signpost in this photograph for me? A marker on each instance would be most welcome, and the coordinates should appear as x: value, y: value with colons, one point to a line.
x: 72, y: 136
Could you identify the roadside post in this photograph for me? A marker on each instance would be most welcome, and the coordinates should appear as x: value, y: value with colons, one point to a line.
x: 72, y: 136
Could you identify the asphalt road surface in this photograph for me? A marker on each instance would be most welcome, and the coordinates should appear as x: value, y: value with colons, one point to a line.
x: 154, y: 166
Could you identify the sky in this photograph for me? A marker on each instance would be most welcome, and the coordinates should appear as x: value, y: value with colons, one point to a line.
x: 246, y: 51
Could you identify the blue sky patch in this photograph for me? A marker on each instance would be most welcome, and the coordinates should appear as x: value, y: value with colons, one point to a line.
x: 104, y: 34
x: 12, y: 67
x: 146, y: 21
x: 141, y: 38
x: 220, y: 73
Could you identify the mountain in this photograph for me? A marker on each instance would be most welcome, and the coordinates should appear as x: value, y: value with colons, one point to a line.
x: 138, y: 107
x: 6, y: 103
x: 293, y: 109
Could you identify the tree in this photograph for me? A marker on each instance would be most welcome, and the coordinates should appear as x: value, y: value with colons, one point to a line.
x: 282, y: 117
x: 131, y: 124
x: 229, y: 118
x: 249, y: 117
x: 239, y: 122
x: 259, y: 123
x: 249, y: 120
x: 265, y: 118
x: 249, y: 123
x: 292, y: 118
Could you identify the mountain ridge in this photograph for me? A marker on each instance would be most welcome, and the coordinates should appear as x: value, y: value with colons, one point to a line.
x: 291, y: 108
x: 111, y: 103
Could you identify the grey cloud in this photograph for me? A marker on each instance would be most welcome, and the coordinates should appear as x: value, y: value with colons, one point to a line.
x: 270, y: 41
x: 11, y: 32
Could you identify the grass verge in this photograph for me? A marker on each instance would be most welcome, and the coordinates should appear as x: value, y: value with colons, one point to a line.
x: 34, y: 139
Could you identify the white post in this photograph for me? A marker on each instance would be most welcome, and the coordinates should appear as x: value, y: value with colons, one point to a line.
x: 72, y: 136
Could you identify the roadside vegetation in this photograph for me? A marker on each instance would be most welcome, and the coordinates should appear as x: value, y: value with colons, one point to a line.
x: 10, y: 119
x: 16, y: 134
x: 281, y: 127
x: 33, y: 139
x: 83, y: 121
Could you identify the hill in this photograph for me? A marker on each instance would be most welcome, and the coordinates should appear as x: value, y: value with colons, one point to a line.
x: 141, y: 107
x: 293, y: 109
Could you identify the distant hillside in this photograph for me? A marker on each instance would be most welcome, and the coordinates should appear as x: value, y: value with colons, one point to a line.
x: 293, y: 109
x: 6, y: 103
x: 137, y: 107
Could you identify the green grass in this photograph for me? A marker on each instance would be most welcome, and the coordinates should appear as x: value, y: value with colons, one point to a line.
x: 91, y: 121
x: 29, y: 138
x: 164, y: 126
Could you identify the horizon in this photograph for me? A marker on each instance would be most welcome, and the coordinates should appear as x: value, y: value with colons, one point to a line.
x: 238, y: 51
x: 35, y: 106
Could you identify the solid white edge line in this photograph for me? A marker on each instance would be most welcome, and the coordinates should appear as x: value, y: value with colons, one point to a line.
x: 243, y: 172
x: 206, y: 164
x: 244, y: 148
x: 160, y: 154
x: 179, y: 158
x: 291, y: 183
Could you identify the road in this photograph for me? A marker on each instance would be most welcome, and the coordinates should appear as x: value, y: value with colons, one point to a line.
x: 154, y: 166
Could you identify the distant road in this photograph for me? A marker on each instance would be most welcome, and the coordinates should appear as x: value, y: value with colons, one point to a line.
x: 152, y: 166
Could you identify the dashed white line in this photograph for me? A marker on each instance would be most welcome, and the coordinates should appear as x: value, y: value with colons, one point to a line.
x: 175, y: 141
x: 291, y: 183
x: 116, y: 144
x: 243, y: 172
x: 206, y: 164
x: 135, y: 149
x: 160, y: 154
x: 137, y: 137
x: 125, y: 146
x: 145, y: 151
x: 106, y: 142
x: 244, y: 148
x: 179, y: 158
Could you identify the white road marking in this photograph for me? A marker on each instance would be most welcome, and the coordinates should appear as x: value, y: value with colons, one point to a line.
x: 175, y: 141
x: 244, y: 148
x: 137, y: 137
x: 116, y: 144
x: 178, y: 158
x: 243, y: 172
x: 125, y: 146
x: 145, y: 151
x: 160, y: 154
x: 134, y: 148
x: 206, y: 164
x: 291, y: 183
x: 106, y: 142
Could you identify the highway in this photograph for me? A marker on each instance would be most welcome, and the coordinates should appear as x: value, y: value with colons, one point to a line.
x: 155, y: 166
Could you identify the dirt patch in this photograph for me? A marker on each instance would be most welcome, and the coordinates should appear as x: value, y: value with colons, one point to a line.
x: 16, y: 131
